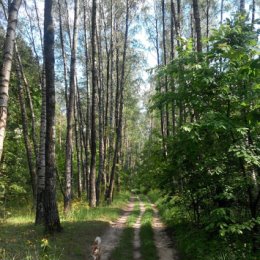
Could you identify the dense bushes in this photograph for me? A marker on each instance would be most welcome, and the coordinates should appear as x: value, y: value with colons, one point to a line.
x: 210, y: 174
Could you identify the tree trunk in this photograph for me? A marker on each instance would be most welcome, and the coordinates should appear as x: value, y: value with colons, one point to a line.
x: 109, y: 192
x: 39, y: 218
x: 253, y: 11
x: 164, y: 63
x: 71, y: 107
x: 77, y: 143
x: 242, y: 6
x: 92, y: 201
x: 100, y: 120
x: 88, y: 108
x: 197, y: 25
x: 207, y: 23
x: 63, y: 57
x: 6, y: 68
x: 52, y: 220
x: 27, y: 142
x: 160, y: 89
x: 172, y: 57
x: 221, y: 11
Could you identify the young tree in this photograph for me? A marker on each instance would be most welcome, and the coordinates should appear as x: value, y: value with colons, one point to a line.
x: 52, y: 220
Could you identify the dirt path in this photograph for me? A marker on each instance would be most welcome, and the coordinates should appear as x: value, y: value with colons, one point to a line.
x: 112, y: 236
x: 137, y: 241
x: 163, y: 243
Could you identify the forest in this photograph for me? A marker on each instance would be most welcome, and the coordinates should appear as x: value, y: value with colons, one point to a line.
x: 136, y: 121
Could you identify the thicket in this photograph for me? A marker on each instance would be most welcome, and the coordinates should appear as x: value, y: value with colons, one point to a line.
x: 207, y: 169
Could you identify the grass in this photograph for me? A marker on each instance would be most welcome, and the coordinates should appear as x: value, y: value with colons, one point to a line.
x: 20, y: 239
x: 148, y: 249
x: 125, y: 248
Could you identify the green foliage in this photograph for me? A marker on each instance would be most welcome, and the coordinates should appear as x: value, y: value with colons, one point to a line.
x: 210, y: 177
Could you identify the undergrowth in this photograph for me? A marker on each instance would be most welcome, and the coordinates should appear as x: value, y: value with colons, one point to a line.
x: 195, y: 242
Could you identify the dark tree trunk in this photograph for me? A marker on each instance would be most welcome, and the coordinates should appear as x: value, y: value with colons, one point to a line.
x: 100, y: 120
x: 221, y: 11
x: 87, y: 168
x: 52, y: 220
x: 164, y: 63
x: 242, y: 5
x: 78, y: 142
x: 197, y: 24
x: 172, y: 57
x: 253, y: 11
x: 92, y: 201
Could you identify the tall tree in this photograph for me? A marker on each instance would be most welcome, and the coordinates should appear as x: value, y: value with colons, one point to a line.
x: 52, y: 220
x: 242, y: 5
x: 86, y: 146
x: 197, y: 24
x: 221, y: 11
x: 92, y: 200
x: 253, y: 11
x: 119, y: 117
x: 71, y: 108
x: 6, y: 67
x: 164, y: 63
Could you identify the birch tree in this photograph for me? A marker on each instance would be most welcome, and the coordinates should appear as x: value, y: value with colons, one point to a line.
x: 6, y: 67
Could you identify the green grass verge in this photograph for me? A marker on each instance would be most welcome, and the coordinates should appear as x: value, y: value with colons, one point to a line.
x: 125, y: 248
x: 148, y: 248
x: 21, y: 239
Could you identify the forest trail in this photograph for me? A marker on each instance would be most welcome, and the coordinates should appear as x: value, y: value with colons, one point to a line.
x: 111, y: 238
x: 164, y: 246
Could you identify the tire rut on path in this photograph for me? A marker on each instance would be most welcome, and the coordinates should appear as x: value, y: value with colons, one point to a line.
x: 163, y: 243
x: 137, y: 226
x: 111, y: 237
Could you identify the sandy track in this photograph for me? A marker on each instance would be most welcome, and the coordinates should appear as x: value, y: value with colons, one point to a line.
x: 164, y: 245
x: 111, y: 238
